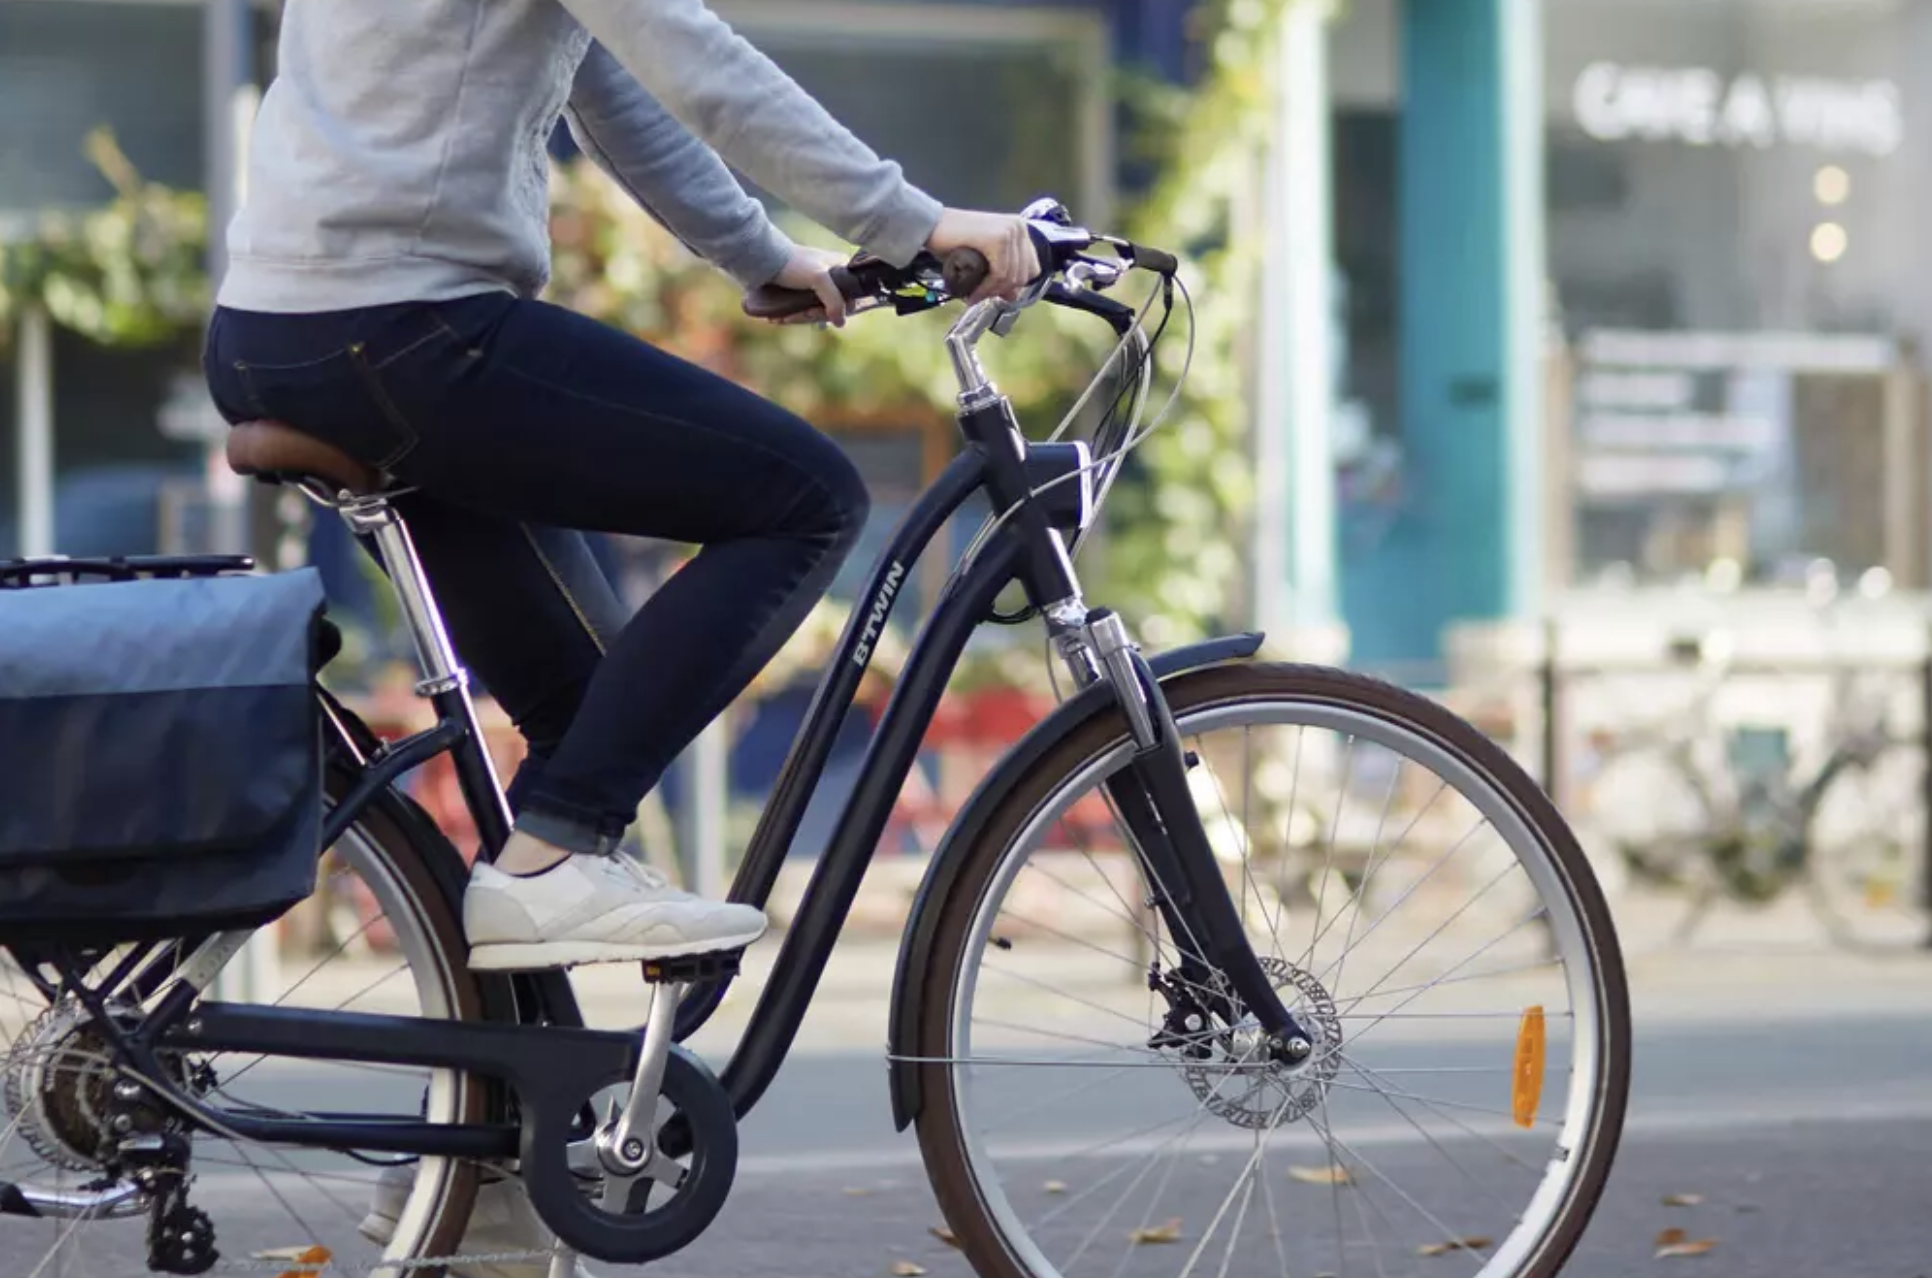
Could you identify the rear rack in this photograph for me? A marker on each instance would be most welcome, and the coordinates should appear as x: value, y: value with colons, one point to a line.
x: 60, y: 570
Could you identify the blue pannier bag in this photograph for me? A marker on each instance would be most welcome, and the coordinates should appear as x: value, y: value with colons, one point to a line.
x: 160, y: 750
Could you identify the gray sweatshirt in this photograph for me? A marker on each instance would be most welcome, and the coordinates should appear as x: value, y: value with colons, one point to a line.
x: 399, y: 154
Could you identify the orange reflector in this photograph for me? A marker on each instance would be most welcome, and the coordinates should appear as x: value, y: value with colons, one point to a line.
x: 300, y: 1257
x: 1526, y: 1081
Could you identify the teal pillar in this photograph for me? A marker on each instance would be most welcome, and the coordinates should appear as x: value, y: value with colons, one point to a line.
x: 1465, y: 547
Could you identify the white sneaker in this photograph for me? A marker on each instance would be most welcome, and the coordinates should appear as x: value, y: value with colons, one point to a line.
x: 502, y: 1221
x: 594, y: 909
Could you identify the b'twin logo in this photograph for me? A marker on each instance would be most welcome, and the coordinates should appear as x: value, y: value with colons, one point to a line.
x: 881, y: 605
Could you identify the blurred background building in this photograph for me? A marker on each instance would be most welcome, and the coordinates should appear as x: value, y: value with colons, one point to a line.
x: 1625, y: 286
x: 1569, y: 302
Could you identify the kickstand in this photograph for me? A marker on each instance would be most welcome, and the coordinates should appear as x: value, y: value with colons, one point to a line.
x: 563, y: 1263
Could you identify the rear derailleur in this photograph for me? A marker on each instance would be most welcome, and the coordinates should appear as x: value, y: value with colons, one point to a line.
x: 181, y: 1238
x: 152, y: 1148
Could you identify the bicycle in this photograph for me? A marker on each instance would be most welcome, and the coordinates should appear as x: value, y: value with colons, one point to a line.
x: 1732, y: 814
x: 627, y: 1141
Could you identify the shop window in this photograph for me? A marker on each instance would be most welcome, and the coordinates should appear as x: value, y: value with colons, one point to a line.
x: 1735, y: 264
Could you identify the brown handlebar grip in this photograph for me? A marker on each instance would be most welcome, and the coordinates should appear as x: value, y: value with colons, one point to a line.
x: 965, y: 269
x: 769, y: 301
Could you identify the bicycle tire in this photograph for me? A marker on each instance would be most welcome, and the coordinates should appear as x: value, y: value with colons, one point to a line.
x: 431, y: 870
x: 393, y: 844
x: 939, y: 1124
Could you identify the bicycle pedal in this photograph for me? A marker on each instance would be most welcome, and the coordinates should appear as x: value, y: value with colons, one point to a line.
x: 687, y: 968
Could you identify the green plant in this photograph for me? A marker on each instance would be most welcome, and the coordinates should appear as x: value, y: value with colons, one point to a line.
x: 1169, y: 557
x: 1174, y: 539
x: 128, y: 273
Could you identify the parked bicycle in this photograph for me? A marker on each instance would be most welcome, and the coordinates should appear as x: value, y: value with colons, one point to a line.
x: 1713, y: 805
x: 1458, y: 1090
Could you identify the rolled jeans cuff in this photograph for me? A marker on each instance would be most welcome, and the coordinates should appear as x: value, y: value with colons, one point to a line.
x: 572, y: 833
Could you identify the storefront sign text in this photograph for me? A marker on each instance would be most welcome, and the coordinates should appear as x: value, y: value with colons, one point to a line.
x: 1698, y: 107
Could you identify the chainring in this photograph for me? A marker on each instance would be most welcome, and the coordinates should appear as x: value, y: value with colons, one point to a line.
x: 650, y: 1218
x: 1246, y: 1087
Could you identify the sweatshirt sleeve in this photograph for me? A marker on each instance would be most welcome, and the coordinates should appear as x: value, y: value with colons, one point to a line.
x: 671, y: 175
x: 761, y: 122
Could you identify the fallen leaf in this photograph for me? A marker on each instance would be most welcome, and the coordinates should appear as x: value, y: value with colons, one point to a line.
x: 856, y: 1191
x: 1682, y: 1200
x: 944, y: 1235
x: 1697, y: 1248
x: 1331, y: 1175
x: 1454, y: 1244
x: 1166, y: 1232
x: 1055, y: 1186
x: 906, y: 1269
x: 301, y: 1258
x: 1671, y: 1236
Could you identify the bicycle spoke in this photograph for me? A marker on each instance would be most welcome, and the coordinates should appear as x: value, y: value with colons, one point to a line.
x: 1146, y: 1168
x: 1510, y: 931
x: 1435, y: 1221
x: 1391, y: 1093
x: 1355, y: 913
x: 1434, y: 883
x: 1274, y: 1218
x: 1324, y: 927
x: 1334, y: 834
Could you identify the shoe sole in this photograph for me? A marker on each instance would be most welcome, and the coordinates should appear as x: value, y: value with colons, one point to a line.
x: 550, y: 955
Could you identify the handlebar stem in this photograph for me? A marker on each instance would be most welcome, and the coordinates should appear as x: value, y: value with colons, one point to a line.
x: 975, y: 387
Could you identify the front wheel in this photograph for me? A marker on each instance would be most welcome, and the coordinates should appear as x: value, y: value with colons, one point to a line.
x: 1086, y: 1112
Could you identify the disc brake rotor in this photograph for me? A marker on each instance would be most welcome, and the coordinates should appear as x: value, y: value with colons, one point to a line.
x: 1247, y: 1087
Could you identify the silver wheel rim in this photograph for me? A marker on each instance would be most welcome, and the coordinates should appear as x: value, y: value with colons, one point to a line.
x: 445, y: 1096
x: 1580, y: 1108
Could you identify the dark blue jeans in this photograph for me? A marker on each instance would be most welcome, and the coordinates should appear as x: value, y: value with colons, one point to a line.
x: 516, y: 422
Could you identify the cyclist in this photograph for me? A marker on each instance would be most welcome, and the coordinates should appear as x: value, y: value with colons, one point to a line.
x: 381, y: 295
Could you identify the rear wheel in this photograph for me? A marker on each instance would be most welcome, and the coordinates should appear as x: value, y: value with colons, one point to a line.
x: 381, y: 934
x: 1456, y: 967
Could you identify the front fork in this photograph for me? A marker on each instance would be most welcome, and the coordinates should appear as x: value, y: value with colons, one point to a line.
x: 1152, y: 800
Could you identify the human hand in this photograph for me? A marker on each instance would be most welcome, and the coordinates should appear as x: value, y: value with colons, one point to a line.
x: 810, y: 270
x: 1002, y: 240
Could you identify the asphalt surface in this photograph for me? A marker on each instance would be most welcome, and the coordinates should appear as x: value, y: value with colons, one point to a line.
x: 1797, y: 1144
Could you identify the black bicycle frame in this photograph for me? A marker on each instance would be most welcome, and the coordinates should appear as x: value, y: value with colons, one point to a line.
x: 527, y: 1055
x: 531, y: 1055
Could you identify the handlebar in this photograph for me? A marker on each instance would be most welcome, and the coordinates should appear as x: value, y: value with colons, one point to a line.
x: 1071, y: 273
x: 867, y: 278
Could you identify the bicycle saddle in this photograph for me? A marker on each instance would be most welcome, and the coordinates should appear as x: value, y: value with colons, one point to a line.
x: 273, y: 452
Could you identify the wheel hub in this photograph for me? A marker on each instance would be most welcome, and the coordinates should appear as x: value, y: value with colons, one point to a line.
x: 1249, y: 1084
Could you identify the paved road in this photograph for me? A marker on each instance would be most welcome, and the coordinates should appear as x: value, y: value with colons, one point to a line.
x: 1806, y: 1139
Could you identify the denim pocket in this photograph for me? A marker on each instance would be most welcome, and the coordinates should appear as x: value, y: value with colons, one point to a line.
x: 333, y: 397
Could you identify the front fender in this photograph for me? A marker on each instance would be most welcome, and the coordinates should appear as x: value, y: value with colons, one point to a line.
x: 915, y: 950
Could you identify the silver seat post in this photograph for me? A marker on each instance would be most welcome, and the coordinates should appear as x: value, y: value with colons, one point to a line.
x: 373, y: 514
x: 376, y: 517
